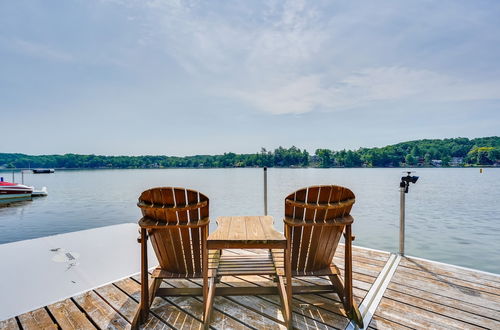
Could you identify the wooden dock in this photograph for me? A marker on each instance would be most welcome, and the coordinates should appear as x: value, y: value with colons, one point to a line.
x: 392, y: 292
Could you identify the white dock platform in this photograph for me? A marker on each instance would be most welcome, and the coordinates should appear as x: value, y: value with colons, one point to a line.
x: 45, y: 270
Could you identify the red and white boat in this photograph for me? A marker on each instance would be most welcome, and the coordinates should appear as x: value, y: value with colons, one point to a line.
x: 10, y: 190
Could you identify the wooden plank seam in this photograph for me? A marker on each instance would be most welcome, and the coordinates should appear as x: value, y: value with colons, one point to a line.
x: 456, y: 266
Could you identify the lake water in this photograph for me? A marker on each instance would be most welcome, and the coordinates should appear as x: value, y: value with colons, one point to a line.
x: 452, y: 215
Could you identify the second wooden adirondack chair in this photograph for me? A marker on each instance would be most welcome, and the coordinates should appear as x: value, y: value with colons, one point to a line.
x: 315, y: 218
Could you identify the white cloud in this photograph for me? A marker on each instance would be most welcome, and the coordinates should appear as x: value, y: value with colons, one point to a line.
x: 400, y: 83
x: 292, y: 57
x: 303, y: 94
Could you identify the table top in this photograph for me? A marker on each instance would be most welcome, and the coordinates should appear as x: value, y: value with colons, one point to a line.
x: 251, y: 232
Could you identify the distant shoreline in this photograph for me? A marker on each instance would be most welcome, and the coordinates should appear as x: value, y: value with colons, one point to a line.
x: 455, y: 152
x: 7, y: 170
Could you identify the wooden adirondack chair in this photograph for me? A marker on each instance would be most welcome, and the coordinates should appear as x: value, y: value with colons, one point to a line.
x: 315, y: 218
x: 176, y: 220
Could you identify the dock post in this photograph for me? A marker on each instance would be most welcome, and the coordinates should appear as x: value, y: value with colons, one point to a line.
x: 402, y: 221
x: 265, y: 190
x: 403, y: 188
x: 13, y: 177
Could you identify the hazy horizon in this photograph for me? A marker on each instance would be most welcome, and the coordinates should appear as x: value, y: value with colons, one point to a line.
x: 152, y: 77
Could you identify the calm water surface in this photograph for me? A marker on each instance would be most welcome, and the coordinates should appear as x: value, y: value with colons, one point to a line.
x: 453, y: 215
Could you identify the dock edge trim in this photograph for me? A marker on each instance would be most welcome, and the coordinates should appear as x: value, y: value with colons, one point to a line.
x: 376, y: 292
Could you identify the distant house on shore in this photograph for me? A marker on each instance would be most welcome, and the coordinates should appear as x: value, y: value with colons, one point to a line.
x: 437, y: 162
x: 456, y: 161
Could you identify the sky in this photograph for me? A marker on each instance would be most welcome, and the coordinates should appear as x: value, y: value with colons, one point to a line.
x: 151, y: 77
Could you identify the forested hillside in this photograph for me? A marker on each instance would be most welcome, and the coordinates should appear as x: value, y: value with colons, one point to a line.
x: 447, y: 152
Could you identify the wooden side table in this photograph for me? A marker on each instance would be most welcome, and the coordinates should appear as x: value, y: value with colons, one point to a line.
x: 253, y: 232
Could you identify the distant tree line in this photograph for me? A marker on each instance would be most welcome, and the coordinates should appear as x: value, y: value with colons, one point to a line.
x: 455, y: 152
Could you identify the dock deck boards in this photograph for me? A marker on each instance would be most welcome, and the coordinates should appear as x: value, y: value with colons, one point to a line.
x: 420, y: 294
x: 425, y: 294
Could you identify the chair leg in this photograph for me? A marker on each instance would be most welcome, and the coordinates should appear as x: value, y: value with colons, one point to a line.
x: 351, y: 309
x: 287, y: 313
x: 355, y: 315
x: 348, y: 268
x: 349, y: 304
x: 344, y: 289
x: 208, y: 302
x: 142, y: 312
x: 288, y: 275
x: 208, y: 283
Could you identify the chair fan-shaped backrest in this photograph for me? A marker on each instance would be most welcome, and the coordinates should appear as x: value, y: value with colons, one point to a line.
x: 315, y: 218
x: 173, y: 204
x: 175, y: 235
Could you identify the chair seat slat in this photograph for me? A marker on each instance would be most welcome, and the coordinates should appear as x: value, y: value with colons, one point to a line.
x: 330, y: 222
x: 321, y: 206
x: 149, y: 223
x: 172, y: 207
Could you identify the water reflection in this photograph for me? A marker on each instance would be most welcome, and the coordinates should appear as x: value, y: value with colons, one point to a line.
x: 15, y: 202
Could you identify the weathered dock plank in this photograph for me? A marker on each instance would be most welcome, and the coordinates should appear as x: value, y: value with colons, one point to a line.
x: 363, y: 253
x: 270, y: 305
x: 474, y: 287
x: 445, y: 301
x: 118, y: 300
x: 326, y: 307
x: 416, y: 317
x: 68, y: 316
x: 227, y: 312
x: 9, y: 324
x: 359, y: 288
x: 442, y: 310
x: 163, y: 311
x: 381, y: 323
x: 452, y: 271
x: 267, y: 313
x: 103, y: 315
x: 449, y: 290
x: 37, y: 319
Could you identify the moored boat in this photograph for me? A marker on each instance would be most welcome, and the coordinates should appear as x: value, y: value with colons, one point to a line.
x: 9, y: 190
x: 43, y: 170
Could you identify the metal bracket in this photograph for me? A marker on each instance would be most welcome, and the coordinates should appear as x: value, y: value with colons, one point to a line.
x: 139, y: 240
x: 352, y: 237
